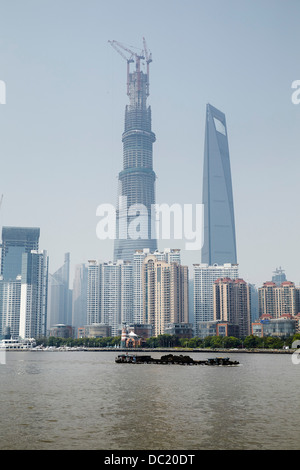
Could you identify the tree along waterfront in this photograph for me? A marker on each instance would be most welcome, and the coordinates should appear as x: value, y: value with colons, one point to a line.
x: 173, y: 341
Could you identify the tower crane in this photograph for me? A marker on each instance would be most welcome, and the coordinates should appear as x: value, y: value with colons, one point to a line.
x: 147, y: 54
x: 118, y: 46
x: 115, y: 45
x: 148, y: 60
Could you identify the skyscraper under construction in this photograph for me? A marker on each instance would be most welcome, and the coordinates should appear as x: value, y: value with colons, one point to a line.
x: 136, y: 194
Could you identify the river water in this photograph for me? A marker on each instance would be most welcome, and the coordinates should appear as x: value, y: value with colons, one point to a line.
x: 84, y: 400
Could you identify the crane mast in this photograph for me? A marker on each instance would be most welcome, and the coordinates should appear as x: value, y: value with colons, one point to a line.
x: 134, y: 57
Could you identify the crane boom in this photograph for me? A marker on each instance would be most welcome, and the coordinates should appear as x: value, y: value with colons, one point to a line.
x: 147, y: 55
x: 114, y: 45
x: 119, y: 47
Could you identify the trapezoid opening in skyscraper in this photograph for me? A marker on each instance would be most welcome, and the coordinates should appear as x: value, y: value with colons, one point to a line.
x: 136, y: 194
x: 219, y: 225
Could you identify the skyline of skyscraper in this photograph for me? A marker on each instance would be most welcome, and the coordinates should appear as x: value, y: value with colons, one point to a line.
x: 136, y: 192
x: 219, y: 239
x: 219, y: 225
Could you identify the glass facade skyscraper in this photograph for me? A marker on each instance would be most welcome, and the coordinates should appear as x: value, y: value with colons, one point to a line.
x: 219, y: 226
x: 136, y: 193
x: 23, y: 283
x: 15, y: 242
x: 60, y: 296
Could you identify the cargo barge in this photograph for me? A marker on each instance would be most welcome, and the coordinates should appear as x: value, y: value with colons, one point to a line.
x: 173, y: 359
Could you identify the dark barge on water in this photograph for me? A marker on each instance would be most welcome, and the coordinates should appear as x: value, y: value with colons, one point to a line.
x: 173, y: 359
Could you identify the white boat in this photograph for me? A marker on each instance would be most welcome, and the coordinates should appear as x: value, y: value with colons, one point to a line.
x: 15, y: 344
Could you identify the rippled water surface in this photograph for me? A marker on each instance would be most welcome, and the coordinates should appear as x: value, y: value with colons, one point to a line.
x: 83, y: 400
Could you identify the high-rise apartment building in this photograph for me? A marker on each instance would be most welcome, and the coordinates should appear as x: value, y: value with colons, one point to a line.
x: 34, y: 292
x: 286, y: 299
x: 204, y: 278
x: 170, y: 255
x: 10, y: 295
x: 219, y: 225
x: 266, y: 299
x: 232, y: 304
x: 110, y: 294
x: 277, y: 300
x: 223, y: 300
x: 117, y: 294
x: 136, y: 195
x: 165, y: 293
x: 138, y: 260
x: 94, y: 292
x: 126, y: 292
x: 242, y: 306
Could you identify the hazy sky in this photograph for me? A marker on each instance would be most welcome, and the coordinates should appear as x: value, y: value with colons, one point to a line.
x: 61, y: 126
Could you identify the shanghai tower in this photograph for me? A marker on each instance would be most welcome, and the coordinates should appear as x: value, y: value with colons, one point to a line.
x: 136, y: 192
x: 219, y: 225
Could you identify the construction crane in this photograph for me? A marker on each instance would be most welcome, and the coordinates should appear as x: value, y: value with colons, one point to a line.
x: 115, y: 45
x: 147, y: 54
x: 148, y: 60
x: 133, y: 57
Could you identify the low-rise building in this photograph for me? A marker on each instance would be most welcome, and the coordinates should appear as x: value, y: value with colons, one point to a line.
x: 278, y: 327
x: 183, y: 330
x: 98, y: 330
x: 62, y: 331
